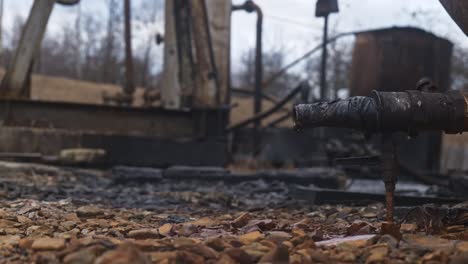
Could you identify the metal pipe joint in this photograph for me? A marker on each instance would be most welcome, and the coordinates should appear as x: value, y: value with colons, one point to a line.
x: 387, y: 112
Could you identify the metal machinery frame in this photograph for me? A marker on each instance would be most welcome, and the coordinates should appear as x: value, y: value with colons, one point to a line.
x: 130, y: 135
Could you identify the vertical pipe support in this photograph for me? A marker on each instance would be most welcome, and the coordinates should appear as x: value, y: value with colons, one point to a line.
x: 249, y: 6
x: 389, y: 174
x: 258, y: 76
x: 323, y: 68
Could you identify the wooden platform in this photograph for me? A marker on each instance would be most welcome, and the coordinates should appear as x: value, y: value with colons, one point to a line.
x: 133, y: 136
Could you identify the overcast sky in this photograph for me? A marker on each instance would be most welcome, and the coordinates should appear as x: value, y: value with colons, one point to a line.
x: 292, y: 23
x: 289, y: 24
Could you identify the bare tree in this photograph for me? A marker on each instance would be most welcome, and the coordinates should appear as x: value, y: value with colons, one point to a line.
x: 91, y: 47
x: 273, y: 61
x: 245, y: 77
x: 12, y: 37
x: 340, y: 65
x: 147, y: 16
x: 129, y: 86
x: 57, y: 54
x: 78, y: 31
x: 18, y: 25
x: 91, y: 50
x: 460, y: 68
x: 109, y: 49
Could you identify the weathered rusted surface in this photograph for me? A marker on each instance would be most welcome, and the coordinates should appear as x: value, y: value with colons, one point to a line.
x: 196, y: 72
x: 395, y: 59
x: 219, y: 14
x: 389, y: 175
x: 409, y: 111
x: 109, y: 119
x: 458, y: 10
x: 204, y: 94
x: 413, y: 111
x: 171, y: 92
x: 356, y: 112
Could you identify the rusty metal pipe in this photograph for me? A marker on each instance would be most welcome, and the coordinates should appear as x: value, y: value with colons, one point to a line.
x: 387, y: 112
x: 389, y: 176
x: 273, y: 109
x: 249, y: 6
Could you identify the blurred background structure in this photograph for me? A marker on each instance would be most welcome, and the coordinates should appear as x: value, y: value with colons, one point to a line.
x: 156, y: 84
x: 148, y: 129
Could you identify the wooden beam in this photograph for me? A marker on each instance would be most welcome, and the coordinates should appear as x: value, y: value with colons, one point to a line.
x: 15, y: 80
x: 185, y: 53
x: 170, y: 89
x: 206, y: 86
x: 219, y: 13
x: 197, y: 54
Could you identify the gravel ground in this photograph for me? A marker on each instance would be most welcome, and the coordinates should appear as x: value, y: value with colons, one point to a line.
x: 58, y: 215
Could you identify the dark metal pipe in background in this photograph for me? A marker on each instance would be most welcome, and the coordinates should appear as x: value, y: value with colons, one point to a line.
x: 258, y: 76
x: 323, y: 69
x: 249, y: 6
x: 275, y: 108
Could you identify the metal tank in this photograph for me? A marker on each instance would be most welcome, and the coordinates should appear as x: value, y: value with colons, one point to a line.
x: 395, y: 59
